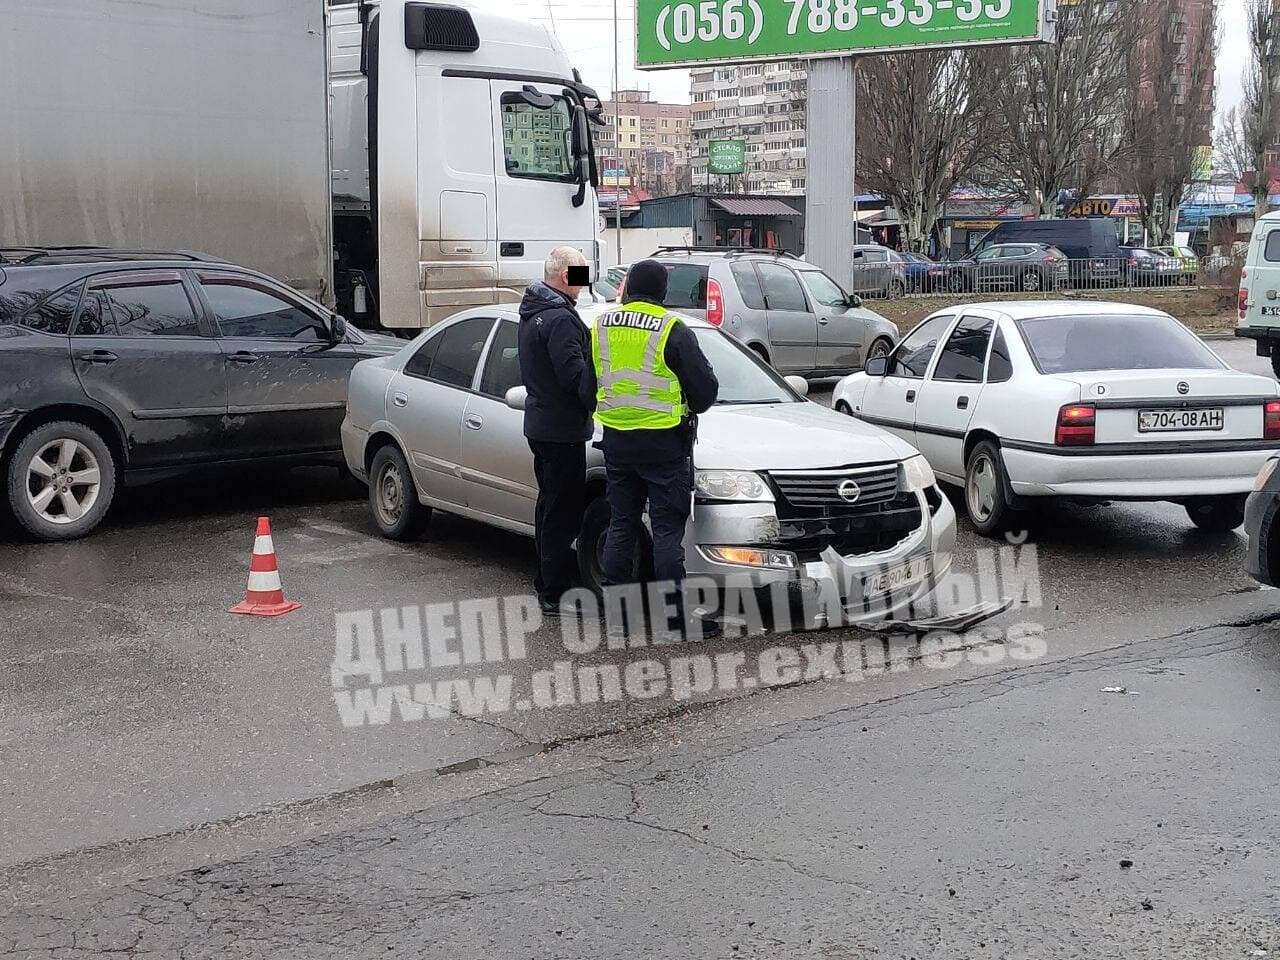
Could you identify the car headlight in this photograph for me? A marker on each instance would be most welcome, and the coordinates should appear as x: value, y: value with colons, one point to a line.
x: 1268, y: 468
x: 917, y: 474
x: 731, y: 485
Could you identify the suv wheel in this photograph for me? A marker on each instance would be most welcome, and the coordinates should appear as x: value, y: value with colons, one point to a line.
x: 62, y: 479
x: 1031, y: 280
x: 393, y: 497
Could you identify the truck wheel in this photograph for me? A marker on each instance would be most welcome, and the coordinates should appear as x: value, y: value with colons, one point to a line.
x: 595, y: 523
x: 985, y: 497
x: 1217, y: 514
x: 393, y: 497
x: 62, y: 479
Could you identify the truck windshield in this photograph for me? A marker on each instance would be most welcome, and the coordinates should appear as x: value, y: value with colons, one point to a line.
x: 744, y: 377
x: 1119, y: 342
x: 536, y: 141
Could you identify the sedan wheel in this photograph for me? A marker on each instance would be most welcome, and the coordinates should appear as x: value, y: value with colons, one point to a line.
x: 393, y: 497
x: 984, y: 491
x: 62, y: 479
x: 880, y: 347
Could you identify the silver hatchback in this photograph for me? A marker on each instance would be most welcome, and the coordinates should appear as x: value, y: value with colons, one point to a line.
x: 788, y: 311
x: 787, y: 491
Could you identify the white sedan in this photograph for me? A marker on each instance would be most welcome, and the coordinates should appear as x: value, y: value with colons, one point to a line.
x: 1100, y: 401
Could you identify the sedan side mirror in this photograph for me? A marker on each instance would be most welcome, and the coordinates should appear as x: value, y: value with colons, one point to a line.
x: 853, y: 300
x: 516, y: 398
x: 337, y: 328
x: 876, y: 367
x: 799, y: 384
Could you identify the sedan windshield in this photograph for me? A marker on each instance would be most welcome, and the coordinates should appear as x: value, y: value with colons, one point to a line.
x: 744, y: 377
x: 1120, y: 342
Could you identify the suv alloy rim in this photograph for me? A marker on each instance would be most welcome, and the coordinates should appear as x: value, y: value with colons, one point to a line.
x: 63, y: 481
x: 981, y: 488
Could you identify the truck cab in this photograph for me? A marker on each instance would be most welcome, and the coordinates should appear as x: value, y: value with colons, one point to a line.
x: 461, y: 155
x: 1258, y: 302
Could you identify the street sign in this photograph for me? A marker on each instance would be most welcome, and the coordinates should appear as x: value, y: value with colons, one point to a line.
x: 672, y: 33
x: 726, y: 156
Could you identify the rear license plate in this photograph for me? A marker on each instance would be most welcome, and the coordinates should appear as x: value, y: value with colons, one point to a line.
x: 1168, y: 421
x: 896, y: 578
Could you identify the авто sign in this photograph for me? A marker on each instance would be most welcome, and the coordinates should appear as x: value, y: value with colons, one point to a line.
x: 690, y: 32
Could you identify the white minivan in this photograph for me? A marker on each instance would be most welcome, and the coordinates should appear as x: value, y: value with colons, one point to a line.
x: 1259, y: 298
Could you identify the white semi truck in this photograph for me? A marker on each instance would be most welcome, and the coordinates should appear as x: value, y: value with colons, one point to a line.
x: 401, y: 160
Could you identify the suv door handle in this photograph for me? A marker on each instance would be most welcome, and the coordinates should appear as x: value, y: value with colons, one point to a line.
x: 962, y: 403
x: 399, y: 399
x: 473, y: 421
x: 243, y: 356
x: 98, y: 356
x: 911, y: 396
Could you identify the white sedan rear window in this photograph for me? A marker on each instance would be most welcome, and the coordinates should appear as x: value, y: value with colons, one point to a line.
x: 1120, y: 342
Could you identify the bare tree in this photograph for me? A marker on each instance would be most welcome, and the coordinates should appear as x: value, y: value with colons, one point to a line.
x: 1169, y: 118
x: 1063, y: 106
x: 924, y: 125
x: 1249, y: 132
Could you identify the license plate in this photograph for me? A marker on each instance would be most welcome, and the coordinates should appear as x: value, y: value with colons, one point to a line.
x: 898, y: 577
x: 1167, y: 421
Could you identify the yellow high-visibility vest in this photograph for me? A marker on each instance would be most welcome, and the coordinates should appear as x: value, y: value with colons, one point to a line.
x: 636, y: 390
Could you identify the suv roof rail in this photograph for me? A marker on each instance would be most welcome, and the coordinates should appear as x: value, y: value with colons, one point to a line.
x: 21, y: 255
x: 727, y: 251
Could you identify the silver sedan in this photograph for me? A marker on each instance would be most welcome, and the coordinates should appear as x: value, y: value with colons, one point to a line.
x: 787, y: 492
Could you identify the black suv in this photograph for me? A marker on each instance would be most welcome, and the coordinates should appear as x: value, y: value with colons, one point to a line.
x: 126, y: 366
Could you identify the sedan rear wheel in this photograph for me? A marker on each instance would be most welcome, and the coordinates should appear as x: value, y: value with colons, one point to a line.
x: 1217, y: 514
x: 62, y: 479
x: 393, y: 497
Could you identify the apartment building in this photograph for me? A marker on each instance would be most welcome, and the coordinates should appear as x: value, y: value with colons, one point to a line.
x: 762, y: 104
x: 645, y: 144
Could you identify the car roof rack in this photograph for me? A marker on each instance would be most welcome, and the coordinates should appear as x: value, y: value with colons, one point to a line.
x: 74, y: 253
x: 727, y: 251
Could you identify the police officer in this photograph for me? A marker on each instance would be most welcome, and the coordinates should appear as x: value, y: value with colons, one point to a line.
x: 652, y: 381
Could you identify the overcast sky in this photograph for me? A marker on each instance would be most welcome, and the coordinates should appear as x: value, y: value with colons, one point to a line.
x: 585, y: 28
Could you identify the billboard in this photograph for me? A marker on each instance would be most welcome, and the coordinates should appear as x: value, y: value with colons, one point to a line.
x: 726, y: 156
x: 681, y: 33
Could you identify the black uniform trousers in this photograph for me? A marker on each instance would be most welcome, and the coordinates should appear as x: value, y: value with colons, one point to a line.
x: 561, y: 471
x: 668, y: 489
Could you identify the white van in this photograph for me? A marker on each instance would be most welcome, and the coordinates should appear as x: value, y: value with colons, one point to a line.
x: 1259, y: 298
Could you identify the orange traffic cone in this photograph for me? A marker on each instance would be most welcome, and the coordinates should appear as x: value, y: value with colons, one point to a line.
x: 264, y: 596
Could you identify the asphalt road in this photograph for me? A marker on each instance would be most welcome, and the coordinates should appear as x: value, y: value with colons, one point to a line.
x: 145, y: 733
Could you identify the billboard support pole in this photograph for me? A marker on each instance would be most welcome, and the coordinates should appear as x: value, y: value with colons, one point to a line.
x: 617, y: 142
x: 829, y: 228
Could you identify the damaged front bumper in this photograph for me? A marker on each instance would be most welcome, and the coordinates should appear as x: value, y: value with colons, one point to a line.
x: 801, y: 556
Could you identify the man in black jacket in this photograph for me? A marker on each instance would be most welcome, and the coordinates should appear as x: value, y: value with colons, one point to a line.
x: 655, y: 466
x: 555, y: 366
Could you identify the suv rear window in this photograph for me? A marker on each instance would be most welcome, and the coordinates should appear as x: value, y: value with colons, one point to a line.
x: 38, y: 307
x: 686, y: 286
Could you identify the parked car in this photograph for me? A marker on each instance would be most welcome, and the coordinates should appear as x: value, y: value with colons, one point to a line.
x: 1089, y: 243
x: 878, y: 271
x: 1260, y: 510
x: 118, y: 367
x: 607, y: 286
x: 436, y: 427
x: 1101, y: 401
x: 923, y: 274
x: 1188, y: 262
x: 1257, y: 306
x: 1009, y: 266
x: 1145, y: 267
x: 788, y: 311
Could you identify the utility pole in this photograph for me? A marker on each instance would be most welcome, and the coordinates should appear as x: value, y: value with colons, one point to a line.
x: 829, y: 229
x: 617, y: 141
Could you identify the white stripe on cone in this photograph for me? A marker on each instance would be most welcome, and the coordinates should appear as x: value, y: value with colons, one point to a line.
x: 264, y: 581
x: 263, y: 546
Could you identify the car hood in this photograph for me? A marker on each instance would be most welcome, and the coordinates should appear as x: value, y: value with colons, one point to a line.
x: 790, y: 436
